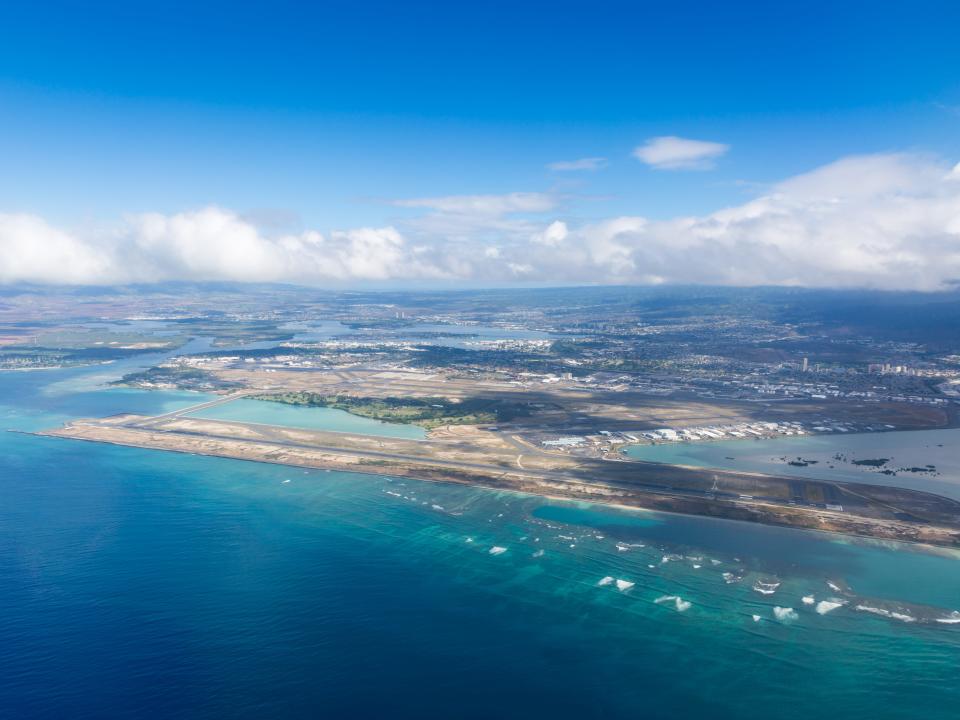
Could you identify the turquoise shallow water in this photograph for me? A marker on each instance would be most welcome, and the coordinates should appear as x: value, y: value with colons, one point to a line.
x: 140, y: 583
x: 309, y: 418
x: 907, y: 449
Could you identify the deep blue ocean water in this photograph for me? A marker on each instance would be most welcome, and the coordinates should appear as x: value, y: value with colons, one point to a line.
x: 137, y: 583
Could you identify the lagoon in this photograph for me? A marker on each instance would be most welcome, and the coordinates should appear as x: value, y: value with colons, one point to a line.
x: 268, y: 412
x: 903, y: 449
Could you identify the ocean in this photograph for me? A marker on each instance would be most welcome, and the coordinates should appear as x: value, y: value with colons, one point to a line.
x: 138, y: 583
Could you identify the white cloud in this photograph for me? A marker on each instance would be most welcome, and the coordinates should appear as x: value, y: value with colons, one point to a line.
x: 589, y: 164
x: 675, y: 153
x: 32, y: 250
x: 459, y: 222
x: 207, y: 244
x: 883, y: 221
x: 554, y: 234
x: 485, y: 205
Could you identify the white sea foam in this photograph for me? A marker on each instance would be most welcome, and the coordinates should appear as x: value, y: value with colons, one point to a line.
x: 497, y: 550
x: 766, y: 588
x: 696, y: 567
x: 809, y: 599
x: 903, y: 617
x: 538, y: 553
x: 785, y: 614
x: 608, y: 580
x: 286, y: 481
x: 833, y: 586
x: 624, y: 585
x: 678, y: 602
x: 730, y: 578
x: 884, y: 612
x: 826, y: 606
x: 756, y: 618
x: 951, y: 619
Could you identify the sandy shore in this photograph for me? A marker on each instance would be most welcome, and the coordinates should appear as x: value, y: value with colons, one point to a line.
x: 854, y: 509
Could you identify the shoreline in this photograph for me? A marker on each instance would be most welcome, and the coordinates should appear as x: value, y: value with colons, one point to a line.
x: 869, y: 514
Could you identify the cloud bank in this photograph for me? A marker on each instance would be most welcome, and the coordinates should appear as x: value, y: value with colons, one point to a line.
x: 675, y: 153
x: 880, y: 221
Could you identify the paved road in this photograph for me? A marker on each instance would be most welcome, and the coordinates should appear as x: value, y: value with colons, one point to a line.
x: 151, y: 421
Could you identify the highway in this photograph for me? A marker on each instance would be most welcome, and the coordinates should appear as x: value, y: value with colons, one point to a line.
x: 151, y: 421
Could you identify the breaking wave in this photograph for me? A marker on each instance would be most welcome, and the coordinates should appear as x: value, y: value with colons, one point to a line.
x: 895, y: 614
x: 679, y: 603
x: 826, y: 606
x: 785, y: 614
x: 766, y: 587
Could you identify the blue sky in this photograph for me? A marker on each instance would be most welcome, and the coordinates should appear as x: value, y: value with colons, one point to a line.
x: 318, y: 118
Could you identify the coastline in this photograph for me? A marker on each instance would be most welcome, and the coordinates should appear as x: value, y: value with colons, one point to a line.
x: 875, y: 518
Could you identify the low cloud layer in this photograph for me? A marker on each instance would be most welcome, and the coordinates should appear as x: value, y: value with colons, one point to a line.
x: 676, y: 153
x: 880, y: 221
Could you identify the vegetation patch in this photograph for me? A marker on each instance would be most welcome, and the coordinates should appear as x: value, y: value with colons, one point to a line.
x: 183, y: 377
x: 430, y: 412
x: 872, y: 462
